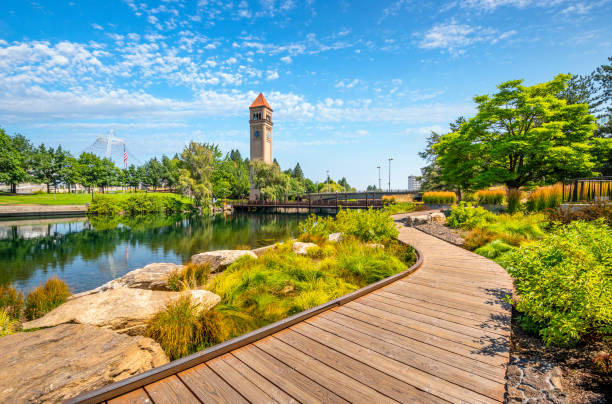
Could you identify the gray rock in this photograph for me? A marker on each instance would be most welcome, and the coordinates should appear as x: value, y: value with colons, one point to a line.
x: 58, y: 363
x: 336, y: 237
x: 220, y: 259
x: 437, y: 217
x: 417, y: 220
x: 152, y: 277
x: 302, y: 248
x: 125, y: 310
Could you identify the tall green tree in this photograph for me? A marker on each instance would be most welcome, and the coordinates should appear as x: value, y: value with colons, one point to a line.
x: 297, y: 172
x: 197, y: 165
x: 521, y: 135
x: 13, y: 162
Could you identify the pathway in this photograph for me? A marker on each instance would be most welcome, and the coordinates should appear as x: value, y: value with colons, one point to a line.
x: 441, y: 334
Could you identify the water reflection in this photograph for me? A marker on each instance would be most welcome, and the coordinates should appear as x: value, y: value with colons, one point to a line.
x: 89, y: 253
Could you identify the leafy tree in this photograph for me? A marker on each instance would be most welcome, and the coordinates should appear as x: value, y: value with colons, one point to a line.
x: 197, y: 164
x: 372, y: 188
x: 297, y: 172
x: 310, y: 186
x: 170, y: 172
x: 520, y: 135
x: 269, y: 180
x: 12, y: 160
x: 154, y: 173
x: 44, y: 165
x: 90, y: 170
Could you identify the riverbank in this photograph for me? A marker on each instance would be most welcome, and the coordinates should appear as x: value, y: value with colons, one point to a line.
x: 12, y: 211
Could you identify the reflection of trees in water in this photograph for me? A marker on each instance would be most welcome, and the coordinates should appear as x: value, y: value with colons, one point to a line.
x: 183, y: 236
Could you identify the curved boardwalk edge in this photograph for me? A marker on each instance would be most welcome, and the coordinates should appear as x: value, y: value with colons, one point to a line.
x: 440, y: 335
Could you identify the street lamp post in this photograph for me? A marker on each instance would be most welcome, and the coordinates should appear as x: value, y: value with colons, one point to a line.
x: 379, y: 185
x: 390, y: 158
x: 327, y: 171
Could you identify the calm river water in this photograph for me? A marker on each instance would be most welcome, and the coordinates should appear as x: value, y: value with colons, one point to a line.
x: 87, y: 253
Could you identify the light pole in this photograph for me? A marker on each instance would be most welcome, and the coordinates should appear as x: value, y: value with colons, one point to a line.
x: 327, y: 180
x: 390, y: 158
x: 379, y: 185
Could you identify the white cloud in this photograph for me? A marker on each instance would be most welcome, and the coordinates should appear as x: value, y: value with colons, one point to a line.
x: 426, y: 130
x: 97, y: 26
x: 272, y: 75
x: 286, y: 59
x: 454, y: 37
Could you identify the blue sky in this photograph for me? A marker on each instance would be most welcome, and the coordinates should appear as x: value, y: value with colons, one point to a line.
x: 351, y: 82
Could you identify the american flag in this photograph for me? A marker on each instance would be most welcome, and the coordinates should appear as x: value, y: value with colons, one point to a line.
x: 125, y: 158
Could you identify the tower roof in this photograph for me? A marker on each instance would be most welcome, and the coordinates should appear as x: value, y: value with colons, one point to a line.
x: 260, y: 101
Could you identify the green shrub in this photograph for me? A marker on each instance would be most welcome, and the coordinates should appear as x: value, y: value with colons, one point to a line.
x: 564, y: 283
x: 104, y: 205
x: 490, y: 197
x: 439, y: 197
x: 191, y: 276
x: 8, y: 324
x: 177, y: 328
x: 11, y: 301
x: 466, y: 216
x: 518, y: 228
x: 45, y: 298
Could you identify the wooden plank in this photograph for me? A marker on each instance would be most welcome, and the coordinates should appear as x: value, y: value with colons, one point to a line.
x: 264, y: 384
x: 170, y: 390
x: 432, y: 306
x: 437, y: 353
x: 425, y: 337
x: 416, y: 377
x: 208, y: 386
x: 455, y: 374
x: 293, y: 382
x: 408, y: 314
x: 133, y: 397
x: 476, y: 289
x: 341, y: 384
x: 238, y: 381
x: 380, y: 381
x: 474, y: 343
x: 487, y: 326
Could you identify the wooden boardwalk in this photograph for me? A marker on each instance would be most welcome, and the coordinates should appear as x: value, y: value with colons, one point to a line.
x: 441, y: 334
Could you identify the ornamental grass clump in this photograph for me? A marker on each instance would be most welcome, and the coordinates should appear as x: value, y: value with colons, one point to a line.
x: 191, y: 276
x: 490, y: 197
x: 513, y: 197
x: 45, y: 298
x: 466, y: 216
x: 177, y: 328
x: 439, y: 197
x: 548, y: 197
x: 564, y: 283
x: 11, y: 301
x: 8, y: 324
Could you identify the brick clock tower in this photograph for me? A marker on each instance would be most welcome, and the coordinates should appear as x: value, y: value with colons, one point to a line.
x: 261, y: 130
x: 260, y: 121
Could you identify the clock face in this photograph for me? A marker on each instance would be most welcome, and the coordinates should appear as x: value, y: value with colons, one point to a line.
x: 256, y: 134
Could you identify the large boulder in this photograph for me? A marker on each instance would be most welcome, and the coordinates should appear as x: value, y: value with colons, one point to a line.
x: 152, y: 277
x: 302, y: 248
x: 220, y: 259
x: 125, y: 310
x: 58, y: 363
x: 262, y: 250
x: 417, y: 220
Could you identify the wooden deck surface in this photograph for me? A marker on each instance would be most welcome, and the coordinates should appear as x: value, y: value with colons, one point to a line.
x: 441, y: 334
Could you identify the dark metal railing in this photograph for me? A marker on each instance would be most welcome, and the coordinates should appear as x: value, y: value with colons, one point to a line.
x: 598, y: 189
x: 325, y: 203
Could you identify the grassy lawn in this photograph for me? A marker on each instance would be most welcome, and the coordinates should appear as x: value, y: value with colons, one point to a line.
x: 55, y: 199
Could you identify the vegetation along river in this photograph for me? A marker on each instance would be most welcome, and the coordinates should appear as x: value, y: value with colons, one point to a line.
x: 87, y: 253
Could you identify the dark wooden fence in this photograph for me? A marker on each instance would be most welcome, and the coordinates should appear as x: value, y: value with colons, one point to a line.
x: 587, y: 190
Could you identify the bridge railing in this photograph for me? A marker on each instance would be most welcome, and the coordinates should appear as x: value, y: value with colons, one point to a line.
x: 332, y: 203
x: 587, y: 190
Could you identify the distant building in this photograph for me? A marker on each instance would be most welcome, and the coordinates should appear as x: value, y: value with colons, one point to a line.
x: 414, y: 183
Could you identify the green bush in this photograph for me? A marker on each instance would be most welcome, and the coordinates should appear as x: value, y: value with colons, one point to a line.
x: 11, y: 301
x: 400, y: 207
x: 466, y: 216
x: 191, y: 276
x: 45, y: 298
x: 367, y: 225
x: 104, y: 205
x: 564, y: 283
